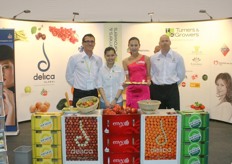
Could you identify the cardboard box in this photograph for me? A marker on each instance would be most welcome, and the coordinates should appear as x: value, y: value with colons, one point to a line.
x: 121, y: 143
x: 46, y: 121
x: 52, y: 137
x: 47, y: 151
x: 161, y: 137
x: 121, y: 158
x: 194, y: 160
x: 195, y: 119
x: 195, y: 149
x: 121, y: 124
x: 195, y: 135
x: 82, y: 138
x: 47, y: 161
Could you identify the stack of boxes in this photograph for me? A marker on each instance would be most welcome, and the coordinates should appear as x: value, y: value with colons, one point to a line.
x: 195, y: 137
x: 121, y: 138
x: 46, y: 138
x: 3, y: 147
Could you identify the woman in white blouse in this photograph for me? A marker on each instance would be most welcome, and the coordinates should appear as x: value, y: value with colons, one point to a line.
x: 110, y: 81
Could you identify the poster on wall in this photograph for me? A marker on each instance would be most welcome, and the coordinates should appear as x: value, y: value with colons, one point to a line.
x: 7, y: 65
x: 45, y: 48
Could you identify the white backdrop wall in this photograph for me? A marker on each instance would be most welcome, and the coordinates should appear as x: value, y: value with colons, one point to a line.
x: 200, y: 43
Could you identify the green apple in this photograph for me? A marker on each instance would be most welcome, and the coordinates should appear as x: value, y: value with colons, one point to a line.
x: 27, y: 89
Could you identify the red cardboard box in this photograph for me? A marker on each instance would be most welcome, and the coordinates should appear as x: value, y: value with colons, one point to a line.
x: 121, y: 124
x: 122, y: 158
x: 121, y: 143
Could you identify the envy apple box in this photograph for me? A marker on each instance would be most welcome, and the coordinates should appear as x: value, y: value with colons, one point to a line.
x: 122, y: 124
x: 121, y: 143
x: 119, y: 158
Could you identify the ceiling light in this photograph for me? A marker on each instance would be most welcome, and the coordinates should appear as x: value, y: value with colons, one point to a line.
x: 74, y: 14
x: 151, y: 14
x: 24, y: 11
x: 204, y: 11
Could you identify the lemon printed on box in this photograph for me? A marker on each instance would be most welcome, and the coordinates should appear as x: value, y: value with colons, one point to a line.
x: 46, y: 139
x: 46, y: 153
x: 46, y: 124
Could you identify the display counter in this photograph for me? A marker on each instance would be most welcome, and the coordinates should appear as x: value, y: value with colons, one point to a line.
x: 166, y: 137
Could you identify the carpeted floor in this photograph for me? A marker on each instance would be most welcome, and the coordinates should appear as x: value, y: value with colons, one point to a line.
x: 220, y: 142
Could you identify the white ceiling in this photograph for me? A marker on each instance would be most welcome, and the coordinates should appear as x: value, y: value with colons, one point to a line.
x: 117, y: 10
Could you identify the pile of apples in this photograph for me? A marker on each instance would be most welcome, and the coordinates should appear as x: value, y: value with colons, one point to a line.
x: 117, y: 109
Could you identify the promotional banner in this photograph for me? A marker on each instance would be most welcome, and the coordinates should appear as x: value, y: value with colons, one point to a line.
x: 42, y: 50
x: 7, y: 65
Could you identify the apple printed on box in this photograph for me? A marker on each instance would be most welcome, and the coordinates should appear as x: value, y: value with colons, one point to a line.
x: 121, y: 124
x: 81, y: 138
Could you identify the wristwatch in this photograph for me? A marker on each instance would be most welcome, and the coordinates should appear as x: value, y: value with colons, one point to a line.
x: 116, y: 99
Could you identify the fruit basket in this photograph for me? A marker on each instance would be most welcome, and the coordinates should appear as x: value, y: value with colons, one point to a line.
x: 87, y: 104
x: 149, y: 106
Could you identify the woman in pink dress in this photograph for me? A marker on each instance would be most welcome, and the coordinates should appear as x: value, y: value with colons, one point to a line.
x: 137, y: 70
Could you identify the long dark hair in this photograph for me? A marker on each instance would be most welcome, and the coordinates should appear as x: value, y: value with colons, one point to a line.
x: 228, y: 82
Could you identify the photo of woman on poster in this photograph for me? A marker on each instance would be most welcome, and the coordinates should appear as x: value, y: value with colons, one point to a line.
x: 223, y: 110
x: 8, y: 79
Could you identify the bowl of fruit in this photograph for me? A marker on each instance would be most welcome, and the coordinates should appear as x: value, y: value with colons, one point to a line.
x: 149, y: 106
x: 87, y: 104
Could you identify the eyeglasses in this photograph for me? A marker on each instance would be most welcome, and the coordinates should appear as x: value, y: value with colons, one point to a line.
x: 89, y: 41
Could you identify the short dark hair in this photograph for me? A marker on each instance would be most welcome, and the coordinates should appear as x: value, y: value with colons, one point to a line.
x: 6, y: 53
x: 87, y: 35
x: 109, y: 49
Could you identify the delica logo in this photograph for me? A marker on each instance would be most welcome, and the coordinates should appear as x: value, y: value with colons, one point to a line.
x: 182, y: 32
x: 44, y: 66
